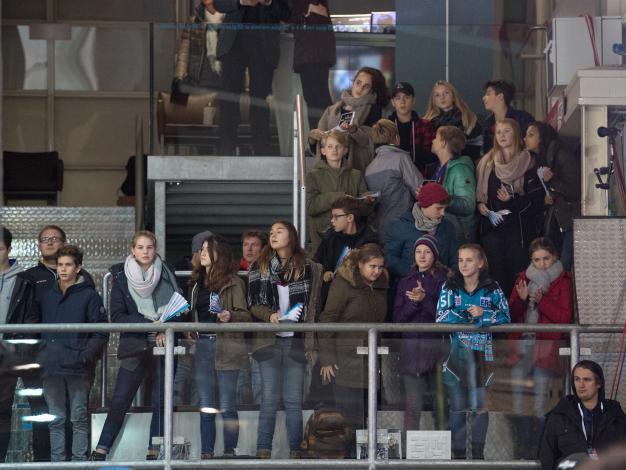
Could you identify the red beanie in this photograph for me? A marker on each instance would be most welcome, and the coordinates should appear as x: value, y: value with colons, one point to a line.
x: 432, y: 193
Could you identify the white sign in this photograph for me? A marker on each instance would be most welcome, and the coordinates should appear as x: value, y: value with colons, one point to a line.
x: 428, y: 445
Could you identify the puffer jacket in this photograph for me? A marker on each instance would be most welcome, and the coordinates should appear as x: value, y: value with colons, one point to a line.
x: 460, y: 182
x: 351, y: 300
x: 400, y: 238
x: 231, y: 349
x: 419, y: 352
x: 324, y: 185
x: 71, y: 353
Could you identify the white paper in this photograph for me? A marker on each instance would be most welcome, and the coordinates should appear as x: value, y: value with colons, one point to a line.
x: 428, y: 445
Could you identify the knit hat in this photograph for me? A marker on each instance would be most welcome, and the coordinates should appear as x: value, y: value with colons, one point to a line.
x: 432, y: 193
x: 430, y: 242
x: 198, y: 240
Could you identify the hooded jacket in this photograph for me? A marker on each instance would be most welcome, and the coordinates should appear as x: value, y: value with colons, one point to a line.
x: 7, y: 284
x: 71, y: 353
x: 44, y: 277
x: 394, y: 175
x: 419, y: 352
x: 325, y: 185
x: 400, y: 238
x: 563, y: 434
x: 460, y: 182
x: 407, y: 137
x: 231, y: 348
x: 351, y: 300
x: 564, y: 185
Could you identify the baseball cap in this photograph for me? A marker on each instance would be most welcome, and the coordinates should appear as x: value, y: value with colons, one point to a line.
x: 403, y: 87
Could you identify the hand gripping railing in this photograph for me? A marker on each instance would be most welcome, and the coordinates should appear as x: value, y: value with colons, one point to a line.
x: 373, y: 329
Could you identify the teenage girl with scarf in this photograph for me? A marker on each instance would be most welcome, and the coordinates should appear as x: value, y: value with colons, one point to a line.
x: 470, y: 297
x: 507, y: 181
x: 283, y: 281
x: 542, y: 295
x: 218, y: 296
x: 366, y: 98
x: 142, y: 288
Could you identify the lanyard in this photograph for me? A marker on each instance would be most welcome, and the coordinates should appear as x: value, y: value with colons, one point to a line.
x: 589, y: 439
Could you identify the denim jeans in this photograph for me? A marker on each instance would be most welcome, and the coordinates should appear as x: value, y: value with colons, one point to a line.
x: 282, y: 377
x: 210, y: 384
x: 55, y: 390
x: 128, y: 382
x: 567, y: 250
x: 464, y: 400
x: 541, y: 378
x: 415, y: 389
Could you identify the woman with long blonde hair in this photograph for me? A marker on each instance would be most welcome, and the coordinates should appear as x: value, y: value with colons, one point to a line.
x: 446, y: 107
x: 509, y: 198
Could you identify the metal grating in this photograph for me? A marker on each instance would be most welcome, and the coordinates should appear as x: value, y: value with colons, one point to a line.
x: 600, y: 273
x: 103, y: 233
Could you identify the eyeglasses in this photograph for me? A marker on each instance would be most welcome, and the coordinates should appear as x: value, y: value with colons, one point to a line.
x: 336, y: 216
x: 50, y: 239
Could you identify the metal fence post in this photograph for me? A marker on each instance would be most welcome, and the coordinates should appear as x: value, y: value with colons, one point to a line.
x: 168, y: 420
x: 104, y: 363
x: 372, y: 375
x: 574, y: 345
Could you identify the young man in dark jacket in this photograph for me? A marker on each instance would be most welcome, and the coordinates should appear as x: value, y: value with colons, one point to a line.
x: 67, y: 358
x: 585, y: 422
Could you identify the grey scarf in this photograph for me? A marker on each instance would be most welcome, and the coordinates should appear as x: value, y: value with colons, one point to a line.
x: 540, y: 279
x: 151, y: 290
x: 361, y: 106
x: 422, y: 222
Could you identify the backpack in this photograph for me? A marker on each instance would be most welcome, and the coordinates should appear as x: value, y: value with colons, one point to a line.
x: 326, y: 435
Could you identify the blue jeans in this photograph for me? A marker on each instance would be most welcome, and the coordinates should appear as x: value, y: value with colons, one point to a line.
x: 567, y: 250
x: 541, y: 378
x: 55, y: 390
x: 211, y: 383
x: 128, y: 382
x: 464, y: 400
x: 283, y: 377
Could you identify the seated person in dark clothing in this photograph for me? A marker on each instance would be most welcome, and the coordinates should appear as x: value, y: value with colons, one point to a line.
x: 252, y: 242
x: 585, y: 422
x: 497, y: 100
x: 347, y: 233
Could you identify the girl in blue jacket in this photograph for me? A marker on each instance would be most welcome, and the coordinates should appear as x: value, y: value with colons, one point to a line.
x: 470, y: 297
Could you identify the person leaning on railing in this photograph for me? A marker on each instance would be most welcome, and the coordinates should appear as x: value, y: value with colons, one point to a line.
x: 142, y: 287
x: 218, y: 296
x: 283, y: 285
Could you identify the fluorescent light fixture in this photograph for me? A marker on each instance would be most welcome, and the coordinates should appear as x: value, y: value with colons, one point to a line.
x: 34, y: 365
x: 42, y: 418
x: 209, y: 410
x: 22, y: 341
x: 30, y: 392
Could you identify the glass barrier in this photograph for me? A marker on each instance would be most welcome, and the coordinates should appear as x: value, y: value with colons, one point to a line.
x: 434, y: 401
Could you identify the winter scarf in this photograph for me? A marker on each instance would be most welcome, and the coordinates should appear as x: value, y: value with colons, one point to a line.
x: 263, y: 290
x: 540, y: 279
x: 510, y: 173
x: 361, y: 106
x: 422, y: 222
x: 146, y: 289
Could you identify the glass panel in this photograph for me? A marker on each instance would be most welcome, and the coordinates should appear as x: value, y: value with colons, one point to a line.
x: 91, y: 60
x: 25, y: 60
x: 24, y: 124
x: 20, y: 10
x: 112, y: 10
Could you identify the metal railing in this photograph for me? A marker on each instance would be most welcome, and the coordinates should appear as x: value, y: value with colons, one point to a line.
x: 299, y: 170
x: 373, y: 330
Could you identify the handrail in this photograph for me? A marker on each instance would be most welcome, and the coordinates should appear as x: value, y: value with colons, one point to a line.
x: 139, y: 171
x: 373, y: 329
x: 299, y: 170
x: 105, y: 358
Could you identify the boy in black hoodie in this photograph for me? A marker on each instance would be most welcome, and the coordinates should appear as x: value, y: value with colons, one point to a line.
x: 67, y: 358
x: 585, y: 422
